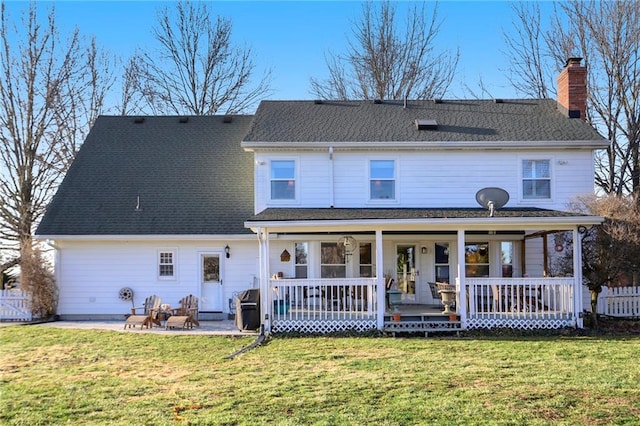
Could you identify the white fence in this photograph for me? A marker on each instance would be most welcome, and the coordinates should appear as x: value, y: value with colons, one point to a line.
x: 14, y: 305
x: 622, y: 302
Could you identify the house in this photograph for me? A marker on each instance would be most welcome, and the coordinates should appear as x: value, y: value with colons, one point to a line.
x: 326, y: 205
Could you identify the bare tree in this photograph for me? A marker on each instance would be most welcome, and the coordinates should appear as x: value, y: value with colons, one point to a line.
x: 607, y: 36
x: 383, y: 62
x: 611, y: 251
x: 51, y: 92
x: 195, y: 69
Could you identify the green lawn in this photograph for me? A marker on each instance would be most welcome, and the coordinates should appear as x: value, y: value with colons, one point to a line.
x: 62, y: 376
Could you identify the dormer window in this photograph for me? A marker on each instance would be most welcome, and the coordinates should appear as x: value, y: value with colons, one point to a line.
x: 283, y: 180
x: 382, y: 180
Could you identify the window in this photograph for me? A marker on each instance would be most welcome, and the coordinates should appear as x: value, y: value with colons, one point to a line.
x: 366, y: 266
x: 302, y: 253
x: 211, y: 268
x: 166, y: 265
x: 442, y: 262
x: 506, y: 248
x: 536, y: 179
x: 283, y: 180
x: 406, y: 268
x: 332, y: 261
x: 476, y: 256
x: 382, y: 182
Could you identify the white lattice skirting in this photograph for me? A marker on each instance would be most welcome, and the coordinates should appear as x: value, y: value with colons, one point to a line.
x: 521, y: 323
x: 322, y: 327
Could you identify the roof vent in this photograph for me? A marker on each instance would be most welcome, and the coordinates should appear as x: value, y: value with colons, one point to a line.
x: 183, y: 119
x: 318, y: 102
x: 138, y: 120
x: 498, y: 101
x: 437, y: 101
x: 377, y: 101
x: 426, y: 124
x: 227, y: 119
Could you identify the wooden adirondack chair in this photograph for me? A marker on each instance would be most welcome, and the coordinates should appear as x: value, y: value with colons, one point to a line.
x: 186, y: 316
x: 148, y: 316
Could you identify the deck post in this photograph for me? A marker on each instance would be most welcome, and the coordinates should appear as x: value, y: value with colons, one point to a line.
x: 265, y: 282
x: 380, y: 293
x: 462, y: 284
x: 577, y: 277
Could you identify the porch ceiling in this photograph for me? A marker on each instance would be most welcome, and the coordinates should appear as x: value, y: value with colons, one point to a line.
x: 337, y: 219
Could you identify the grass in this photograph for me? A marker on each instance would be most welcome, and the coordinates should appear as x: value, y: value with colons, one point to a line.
x: 62, y: 376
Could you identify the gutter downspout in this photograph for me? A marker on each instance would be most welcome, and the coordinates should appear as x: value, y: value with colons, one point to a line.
x: 331, y: 177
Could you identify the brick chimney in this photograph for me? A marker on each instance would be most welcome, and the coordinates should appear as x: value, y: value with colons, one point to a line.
x: 572, y: 89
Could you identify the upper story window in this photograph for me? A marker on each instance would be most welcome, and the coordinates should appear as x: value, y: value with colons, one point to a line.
x: 283, y: 180
x: 382, y: 180
x: 536, y: 179
x: 166, y: 264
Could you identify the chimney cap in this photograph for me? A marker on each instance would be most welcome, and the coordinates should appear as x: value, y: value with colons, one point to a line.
x: 573, y: 61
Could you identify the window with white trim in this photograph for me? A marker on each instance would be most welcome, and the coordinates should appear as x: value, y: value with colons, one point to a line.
x: 166, y: 264
x: 366, y: 263
x: 332, y: 261
x: 476, y: 256
x: 283, y: 180
x: 382, y: 180
x: 506, y: 251
x: 536, y: 179
x: 302, y: 255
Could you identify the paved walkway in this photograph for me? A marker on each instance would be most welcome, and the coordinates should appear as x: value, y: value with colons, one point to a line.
x: 216, y: 328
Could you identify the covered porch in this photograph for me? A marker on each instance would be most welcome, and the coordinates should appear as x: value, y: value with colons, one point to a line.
x: 487, y: 295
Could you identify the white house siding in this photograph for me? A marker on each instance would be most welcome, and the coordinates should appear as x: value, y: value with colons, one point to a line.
x: 425, y: 179
x: 91, y: 273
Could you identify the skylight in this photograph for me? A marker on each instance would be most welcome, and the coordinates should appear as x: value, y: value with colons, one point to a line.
x: 426, y: 124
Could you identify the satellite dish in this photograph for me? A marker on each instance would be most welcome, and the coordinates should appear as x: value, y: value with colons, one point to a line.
x: 492, y: 198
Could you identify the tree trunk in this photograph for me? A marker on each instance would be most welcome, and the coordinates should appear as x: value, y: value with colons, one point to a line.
x: 594, y: 308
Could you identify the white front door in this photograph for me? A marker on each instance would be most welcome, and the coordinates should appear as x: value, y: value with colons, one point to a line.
x: 211, y: 273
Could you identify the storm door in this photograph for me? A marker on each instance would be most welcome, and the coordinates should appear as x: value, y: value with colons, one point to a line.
x: 211, y: 272
x: 406, y: 272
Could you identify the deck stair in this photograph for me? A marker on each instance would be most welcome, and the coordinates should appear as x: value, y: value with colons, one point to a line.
x: 421, y: 322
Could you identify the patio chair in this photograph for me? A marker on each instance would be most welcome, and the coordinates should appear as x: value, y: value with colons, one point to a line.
x: 185, y: 316
x: 148, y: 316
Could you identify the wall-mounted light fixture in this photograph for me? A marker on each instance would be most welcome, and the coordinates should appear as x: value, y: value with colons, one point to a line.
x: 423, y: 250
x: 227, y: 251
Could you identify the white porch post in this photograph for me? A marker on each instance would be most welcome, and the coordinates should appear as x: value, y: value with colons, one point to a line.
x: 380, y: 278
x: 265, y: 291
x: 577, y: 277
x: 462, y: 309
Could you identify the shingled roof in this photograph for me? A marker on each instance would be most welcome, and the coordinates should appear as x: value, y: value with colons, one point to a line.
x: 330, y: 214
x: 156, y: 176
x: 523, y: 121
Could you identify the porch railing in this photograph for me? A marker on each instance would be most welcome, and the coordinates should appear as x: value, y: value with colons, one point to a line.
x: 323, y: 305
x: 520, y: 302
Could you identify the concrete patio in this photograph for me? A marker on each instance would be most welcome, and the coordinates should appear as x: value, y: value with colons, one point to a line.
x: 212, y: 328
